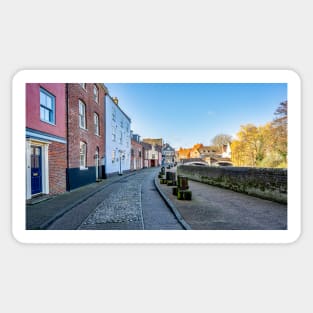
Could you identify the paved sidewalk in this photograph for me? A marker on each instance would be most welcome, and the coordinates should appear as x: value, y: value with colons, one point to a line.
x: 40, y: 215
x: 214, y: 208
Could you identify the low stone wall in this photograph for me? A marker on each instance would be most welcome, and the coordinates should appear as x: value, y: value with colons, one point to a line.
x: 266, y: 183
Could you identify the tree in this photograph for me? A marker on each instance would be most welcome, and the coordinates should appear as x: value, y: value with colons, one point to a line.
x: 263, y: 146
x: 221, y: 140
x: 280, y: 125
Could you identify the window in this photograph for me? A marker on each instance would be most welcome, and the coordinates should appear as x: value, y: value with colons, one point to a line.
x: 96, y: 122
x: 83, y: 85
x: 47, y: 107
x: 113, y: 156
x: 82, y: 114
x: 132, y: 152
x: 122, y: 124
x: 113, y: 134
x: 83, y: 154
x: 95, y: 93
x: 121, y: 137
x: 113, y: 114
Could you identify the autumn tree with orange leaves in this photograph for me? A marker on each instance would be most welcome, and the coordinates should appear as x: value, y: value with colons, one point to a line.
x: 263, y: 146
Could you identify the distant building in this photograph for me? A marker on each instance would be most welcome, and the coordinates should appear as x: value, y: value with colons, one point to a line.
x: 194, y: 152
x: 209, y: 154
x: 168, y: 155
x: 183, y: 153
x: 118, y: 138
x: 46, y: 144
x: 213, y: 155
x: 146, y: 147
x: 226, y: 151
x: 154, y: 156
x: 86, y: 133
x: 151, y: 141
x: 136, y: 157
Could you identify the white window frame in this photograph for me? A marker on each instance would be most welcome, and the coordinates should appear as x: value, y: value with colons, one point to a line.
x: 113, y: 114
x: 83, y: 85
x: 95, y: 93
x: 121, y: 137
x: 45, y: 108
x: 113, y: 155
x: 96, y: 123
x: 113, y: 133
x: 82, y: 114
x: 82, y: 153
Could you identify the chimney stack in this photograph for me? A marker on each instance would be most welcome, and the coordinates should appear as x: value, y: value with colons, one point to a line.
x: 115, y: 100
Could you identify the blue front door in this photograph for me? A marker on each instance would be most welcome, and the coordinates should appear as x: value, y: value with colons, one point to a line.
x: 36, y: 170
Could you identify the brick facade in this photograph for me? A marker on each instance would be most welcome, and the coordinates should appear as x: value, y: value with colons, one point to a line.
x: 57, y: 167
x: 76, y: 134
x: 136, y: 155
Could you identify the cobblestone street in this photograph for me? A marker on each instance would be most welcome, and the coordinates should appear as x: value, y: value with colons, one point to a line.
x: 131, y: 203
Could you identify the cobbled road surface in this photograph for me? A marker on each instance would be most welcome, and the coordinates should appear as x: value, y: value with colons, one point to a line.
x: 131, y: 203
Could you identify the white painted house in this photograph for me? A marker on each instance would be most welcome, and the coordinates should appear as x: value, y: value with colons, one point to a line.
x: 118, y: 138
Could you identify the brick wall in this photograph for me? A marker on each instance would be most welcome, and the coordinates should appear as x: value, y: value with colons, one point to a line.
x: 75, y: 133
x: 57, y: 167
x: 137, y: 155
x: 267, y: 183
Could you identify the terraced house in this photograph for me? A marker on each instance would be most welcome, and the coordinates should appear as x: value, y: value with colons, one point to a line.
x: 46, y: 143
x: 86, y: 133
x: 118, y: 138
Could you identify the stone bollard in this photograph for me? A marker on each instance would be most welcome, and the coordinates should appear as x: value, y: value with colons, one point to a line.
x: 171, y: 178
x: 184, y: 194
x: 182, y: 182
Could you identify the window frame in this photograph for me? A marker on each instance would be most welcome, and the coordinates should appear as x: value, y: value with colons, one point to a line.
x: 96, y: 123
x: 95, y: 95
x: 84, y: 165
x: 113, y: 155
x: 52, y: 111
x: 113, y: 133
x: 80, y: 102
x: 83, y: 85
x: 121, y: 137
x: 113, y: 114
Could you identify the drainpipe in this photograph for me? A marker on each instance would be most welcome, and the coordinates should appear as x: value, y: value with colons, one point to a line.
x: 67, y: 137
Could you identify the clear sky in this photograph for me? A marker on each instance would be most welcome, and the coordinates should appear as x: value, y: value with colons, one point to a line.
x: 185, y: 114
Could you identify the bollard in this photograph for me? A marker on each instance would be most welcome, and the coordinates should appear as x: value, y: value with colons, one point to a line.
x: 175, y: 189
x: 182, y: 182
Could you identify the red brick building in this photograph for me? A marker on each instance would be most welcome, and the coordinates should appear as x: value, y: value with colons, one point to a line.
x: 46, y: 144
x: 136, y: 155
x: 86, y: 133
x: 146, y: 147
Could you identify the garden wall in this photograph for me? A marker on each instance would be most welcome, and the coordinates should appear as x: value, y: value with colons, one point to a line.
x: 266, y: 183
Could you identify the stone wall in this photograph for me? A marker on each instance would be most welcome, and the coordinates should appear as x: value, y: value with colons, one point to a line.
x: 267, y: 183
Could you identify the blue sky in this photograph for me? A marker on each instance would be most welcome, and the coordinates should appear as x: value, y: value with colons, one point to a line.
x: 185, y: 114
